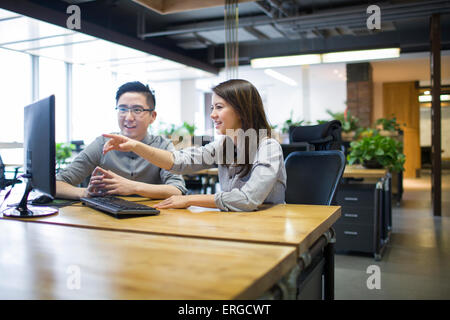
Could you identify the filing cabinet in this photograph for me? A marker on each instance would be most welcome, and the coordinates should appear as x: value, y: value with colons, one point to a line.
x: 364, y: 225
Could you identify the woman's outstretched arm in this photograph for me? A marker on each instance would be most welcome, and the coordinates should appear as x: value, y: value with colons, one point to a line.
x: 160, y: 158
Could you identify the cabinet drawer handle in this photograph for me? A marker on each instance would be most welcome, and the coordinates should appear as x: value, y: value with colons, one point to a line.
x: 351, y: 233
x: 351, y: 215
x: 350, y: 198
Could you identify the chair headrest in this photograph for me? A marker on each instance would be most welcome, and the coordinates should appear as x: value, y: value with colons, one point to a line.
x: 313, y: 133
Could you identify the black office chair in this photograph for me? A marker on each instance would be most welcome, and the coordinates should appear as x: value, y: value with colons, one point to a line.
x: 325, y: 136
x: 78, y: 145
x: 313, y: 176
x: 7, y: 182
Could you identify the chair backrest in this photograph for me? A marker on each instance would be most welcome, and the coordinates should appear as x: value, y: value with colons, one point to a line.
x: 325, y: 136
x: 313, y: 176
x: 292, y: 147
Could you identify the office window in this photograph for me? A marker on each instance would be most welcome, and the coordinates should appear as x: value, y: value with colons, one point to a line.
x: 93, y: 103
x: 52, y: 80
x: 168, y: 104
x: 15, y: 88
x: 328, y: 90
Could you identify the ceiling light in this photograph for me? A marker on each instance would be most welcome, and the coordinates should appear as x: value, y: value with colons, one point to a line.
x: 361, y: 55
x: 285, y: 61
x: 280, y: 77
x: 343, y: 56
x: 428, y: 98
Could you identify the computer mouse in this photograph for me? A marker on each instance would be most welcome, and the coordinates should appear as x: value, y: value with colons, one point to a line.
x: 43, y: 199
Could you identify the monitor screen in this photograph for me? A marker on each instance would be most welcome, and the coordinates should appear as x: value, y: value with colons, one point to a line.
x: 39, y: 145
x: 39, y: 157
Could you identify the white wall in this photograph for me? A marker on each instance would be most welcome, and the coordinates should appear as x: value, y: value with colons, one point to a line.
x: 168, y: 102
x: 192, y: 105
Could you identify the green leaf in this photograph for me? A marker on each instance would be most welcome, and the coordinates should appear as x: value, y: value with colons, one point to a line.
x: 385, y: 150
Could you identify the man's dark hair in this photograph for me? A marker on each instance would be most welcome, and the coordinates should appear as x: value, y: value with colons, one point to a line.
x: 137, y: 86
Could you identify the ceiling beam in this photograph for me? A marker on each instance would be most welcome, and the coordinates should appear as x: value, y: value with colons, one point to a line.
x: 413, y: 40
x: 354, y: 16
x: 173, y: 6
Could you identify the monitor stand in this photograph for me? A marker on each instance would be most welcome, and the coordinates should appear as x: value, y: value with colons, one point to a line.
x: 24, y: 211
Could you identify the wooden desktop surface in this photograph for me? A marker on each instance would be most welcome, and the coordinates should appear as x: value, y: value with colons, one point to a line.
x: 350, y: 171
x: 285, y: 224
x: 42, y: 261
x: 358, y: 171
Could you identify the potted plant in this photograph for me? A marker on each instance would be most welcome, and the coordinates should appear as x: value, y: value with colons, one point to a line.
x: 168, y: 130
x: 63, y: 151
x: 182, y: 136
x: 349, y: 123
x: 377, y: 151
x: 388, y: 127
x: 189, y: 128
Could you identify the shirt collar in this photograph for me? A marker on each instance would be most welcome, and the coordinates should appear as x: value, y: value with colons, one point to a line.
x: 147, y: 139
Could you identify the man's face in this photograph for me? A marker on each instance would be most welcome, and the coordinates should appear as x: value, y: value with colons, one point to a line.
x: 133, y: 125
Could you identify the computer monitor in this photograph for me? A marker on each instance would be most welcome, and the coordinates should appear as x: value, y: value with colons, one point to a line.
x: 39, y: 157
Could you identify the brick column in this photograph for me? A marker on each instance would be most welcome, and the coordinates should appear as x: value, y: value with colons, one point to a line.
x: 360, y: 92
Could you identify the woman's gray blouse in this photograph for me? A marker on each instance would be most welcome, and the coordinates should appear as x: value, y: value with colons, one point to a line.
x: 265, y: 182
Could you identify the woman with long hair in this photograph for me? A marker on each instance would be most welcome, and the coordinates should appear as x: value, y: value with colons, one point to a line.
x: 250, y: 162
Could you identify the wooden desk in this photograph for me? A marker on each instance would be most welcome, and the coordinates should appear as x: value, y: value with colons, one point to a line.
x: 41, y: 261
x: 297, y: 226
x: 358, y: 171
x: 288, y: 224
x: 351, y: 171
x: 211, y: 172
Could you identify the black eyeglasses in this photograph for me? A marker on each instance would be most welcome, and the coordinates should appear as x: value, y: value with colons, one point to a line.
x: 136, y: 110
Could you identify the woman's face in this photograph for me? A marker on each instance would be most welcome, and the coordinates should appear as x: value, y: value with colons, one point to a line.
x: 224, y: 115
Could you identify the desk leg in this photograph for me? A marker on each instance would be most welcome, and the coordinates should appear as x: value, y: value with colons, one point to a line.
x: 213, y: 185
x: 204, y: 180
x: 378, y: 219
x: 328, y: 276
x: 288, y: 288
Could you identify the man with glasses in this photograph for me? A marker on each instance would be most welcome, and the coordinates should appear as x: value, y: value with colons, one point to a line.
x: 117, y: 172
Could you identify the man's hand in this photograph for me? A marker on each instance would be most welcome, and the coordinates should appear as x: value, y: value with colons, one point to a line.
x: 96, y: 185
x: 176, y: 202
x: 118, y: 142
x: 114, y: 184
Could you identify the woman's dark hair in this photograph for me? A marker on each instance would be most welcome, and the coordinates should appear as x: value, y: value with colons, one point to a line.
x: 247, y: 103
x: 137, y: 86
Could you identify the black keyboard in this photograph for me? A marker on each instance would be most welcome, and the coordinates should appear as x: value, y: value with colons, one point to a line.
x: 119, y: 208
